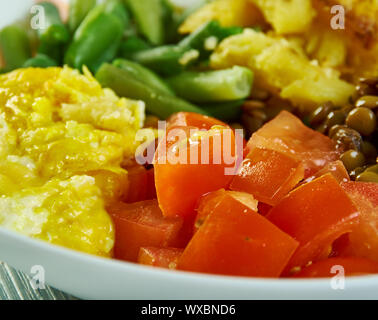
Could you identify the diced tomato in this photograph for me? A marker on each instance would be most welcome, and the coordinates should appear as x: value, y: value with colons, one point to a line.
x: 235, y: 240
x: 349, y: 266
x: 362, y: 190
x: 268, y: 175
x: 151, y: 189
x: 141, y: 225
x: 141, y: 184
x: 210, y: 201
x: 315, y: 214
x: 287, y: 134
x: 160, y: 257
x: 363, y: 241
x: 181, y: 174
x: 264, y: 208
x: 339, y: 245
x: 336, y: 168
x: 138, y: 180
x: 191, y: 119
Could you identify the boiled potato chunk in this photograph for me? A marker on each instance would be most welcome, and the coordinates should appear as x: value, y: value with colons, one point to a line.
x: 228, y: 12
x: 282, y: 67
x: 287, y: 16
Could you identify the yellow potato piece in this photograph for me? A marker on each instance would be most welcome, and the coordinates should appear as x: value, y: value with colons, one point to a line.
x: 228, y: 12
x: 287, y: 16
x: 282, y: 67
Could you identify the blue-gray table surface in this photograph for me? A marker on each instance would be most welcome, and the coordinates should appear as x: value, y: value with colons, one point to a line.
x: 15, y: 285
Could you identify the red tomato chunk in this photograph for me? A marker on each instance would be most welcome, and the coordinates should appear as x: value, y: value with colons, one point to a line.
x: 287, y: 134
x: 336, y: 168
x: 363, y: 241
x: 160, y: 257
x: 180, y: 185
x: 268, y: 175
x: 190, y: 119
x: 211, y: 200
x: 315, y: 214
x: 141, y: 225
x: 349, y: 266
x: 235, y: 240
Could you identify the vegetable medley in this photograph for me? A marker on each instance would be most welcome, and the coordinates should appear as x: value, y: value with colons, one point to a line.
x: 265, y: 165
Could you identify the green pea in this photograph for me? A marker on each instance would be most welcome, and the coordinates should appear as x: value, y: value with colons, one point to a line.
x: 253, y: 122
x: 370, y: 102
x: 363, y: 120
x: 335, y: 129
x: 352, y: 159
x: 346, y: 138
x: 356, y: 172
x: 368, y: 177
x: 320, y: 113
x: 335, y: 117
x: 369, y: 150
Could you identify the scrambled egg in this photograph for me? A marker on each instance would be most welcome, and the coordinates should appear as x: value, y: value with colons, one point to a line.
x: 63, y: 141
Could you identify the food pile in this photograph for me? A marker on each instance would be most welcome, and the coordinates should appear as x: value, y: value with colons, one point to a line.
x: 275, y: 117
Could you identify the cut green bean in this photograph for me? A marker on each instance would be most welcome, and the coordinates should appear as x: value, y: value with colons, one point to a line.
x: 144, y: 75
x: 167, y: 60
x: 225, y: 111
x: 149, y: 15
x: 118, y: 9
x: 132, y: 45
x: 78, y: 10
x: 54, y: 31
x: 40, y: 61
x: 15, y: 47
x: 96, y: 41
x: 172, y: 59
x: 157, y: 103
x: 206, y: 38
x: 221, y: 85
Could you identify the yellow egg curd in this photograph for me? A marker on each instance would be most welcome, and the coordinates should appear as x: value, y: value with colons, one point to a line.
x: 63, y: 143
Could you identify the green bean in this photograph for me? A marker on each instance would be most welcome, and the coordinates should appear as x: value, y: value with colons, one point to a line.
x: 54, y: 52
x: 221, y: 85
x: 118, y: 9
x: 15, y: 47
x: 144, y: 75
x: 225, y: 111
x: 157, y: 103
x: 132, y: 45
x: 78, y: 11
x: 96, y: 41
x: 149, y: 15
x: 40, y: 61
x: 167, y: 60
x: 172, y: 59
x: 54, y: 31
x: 212, y: 30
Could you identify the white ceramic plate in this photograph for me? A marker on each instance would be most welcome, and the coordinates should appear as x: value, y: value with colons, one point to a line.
x: 91, y: 277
